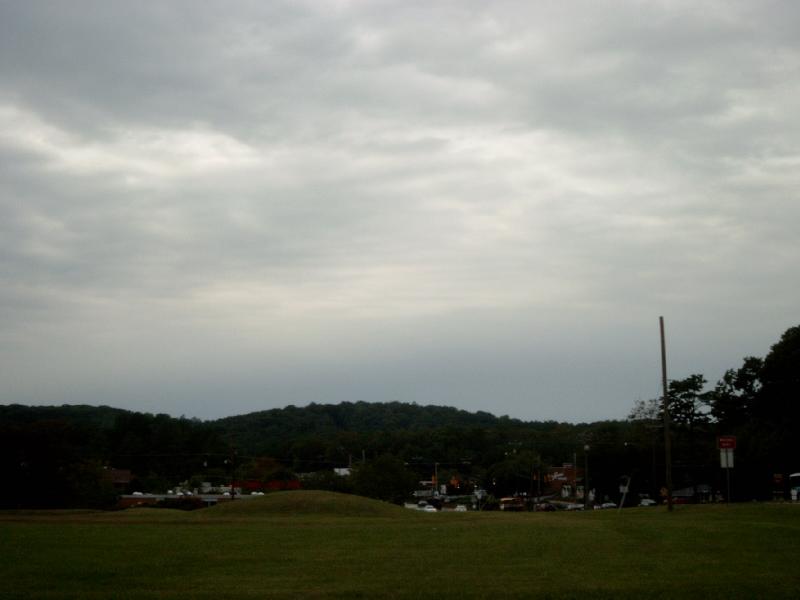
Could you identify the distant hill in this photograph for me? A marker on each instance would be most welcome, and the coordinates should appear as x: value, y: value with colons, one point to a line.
x: 318, y: 431
x: 303, y: 438
x: 283, y: 431
x: 312, y: 436
x: 359, y: 417
x: 102, y: 417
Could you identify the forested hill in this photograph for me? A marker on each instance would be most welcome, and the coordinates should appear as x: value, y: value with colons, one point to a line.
x: 305, y: 438
x: 358, y: 417
x: 114, y: 435
x: 361, y: 417
x: 79, y: 415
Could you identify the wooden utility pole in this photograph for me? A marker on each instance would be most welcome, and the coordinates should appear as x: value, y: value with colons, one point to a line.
x: 665, y: 405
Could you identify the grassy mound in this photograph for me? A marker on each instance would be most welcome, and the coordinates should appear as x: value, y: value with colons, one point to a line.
x: 307, y: 502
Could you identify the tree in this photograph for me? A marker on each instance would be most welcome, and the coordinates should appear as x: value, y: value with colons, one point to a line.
x: 518, y: 473
x: 780, y: 377
x: 385, y: 478
x: 692, y: 448
x: 687, y: 404
x: 733, y: 400
x: 87, y: 486
x: 646, y: 410
x: 777, y: 409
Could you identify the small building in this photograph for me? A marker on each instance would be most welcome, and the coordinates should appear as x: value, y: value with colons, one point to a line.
x: 565, y: 481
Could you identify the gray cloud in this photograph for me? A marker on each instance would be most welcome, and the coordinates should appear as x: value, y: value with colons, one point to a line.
x: 207, y: 210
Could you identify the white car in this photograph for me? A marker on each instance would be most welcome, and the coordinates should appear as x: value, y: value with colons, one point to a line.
x: 647, y: 502
x: 461, y: 508
x: 429, y: 508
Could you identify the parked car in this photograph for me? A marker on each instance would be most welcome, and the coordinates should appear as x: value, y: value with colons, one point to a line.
x: 545, y: 507
x: 514, y: 503
x: 647, y: 502
x: 461, y: 508
x: 430, y: 508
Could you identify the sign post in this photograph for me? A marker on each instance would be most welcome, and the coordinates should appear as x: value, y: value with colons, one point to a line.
x: 726, y: 445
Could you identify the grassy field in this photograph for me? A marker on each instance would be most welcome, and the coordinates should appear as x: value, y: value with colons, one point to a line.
x: 320, y: 545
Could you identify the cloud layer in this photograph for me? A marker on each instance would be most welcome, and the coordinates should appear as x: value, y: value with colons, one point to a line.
x: 210, y: 210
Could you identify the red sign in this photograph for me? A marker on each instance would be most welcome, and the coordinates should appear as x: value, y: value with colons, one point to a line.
x: 726, y: 442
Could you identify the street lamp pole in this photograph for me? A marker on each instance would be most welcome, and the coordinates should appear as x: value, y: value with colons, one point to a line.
x: 586, y: 476
x: 233, y: 473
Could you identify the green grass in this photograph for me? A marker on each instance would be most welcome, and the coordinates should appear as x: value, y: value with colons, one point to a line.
x: 323, y: 545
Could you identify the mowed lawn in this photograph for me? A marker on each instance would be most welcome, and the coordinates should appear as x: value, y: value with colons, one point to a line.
x: 318, y: 545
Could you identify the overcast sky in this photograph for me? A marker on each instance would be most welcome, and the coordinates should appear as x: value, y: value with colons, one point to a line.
x: 214, y: 208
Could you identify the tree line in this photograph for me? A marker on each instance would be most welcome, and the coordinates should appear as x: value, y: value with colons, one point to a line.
x: 61, y: 456
x: 758, y: 402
